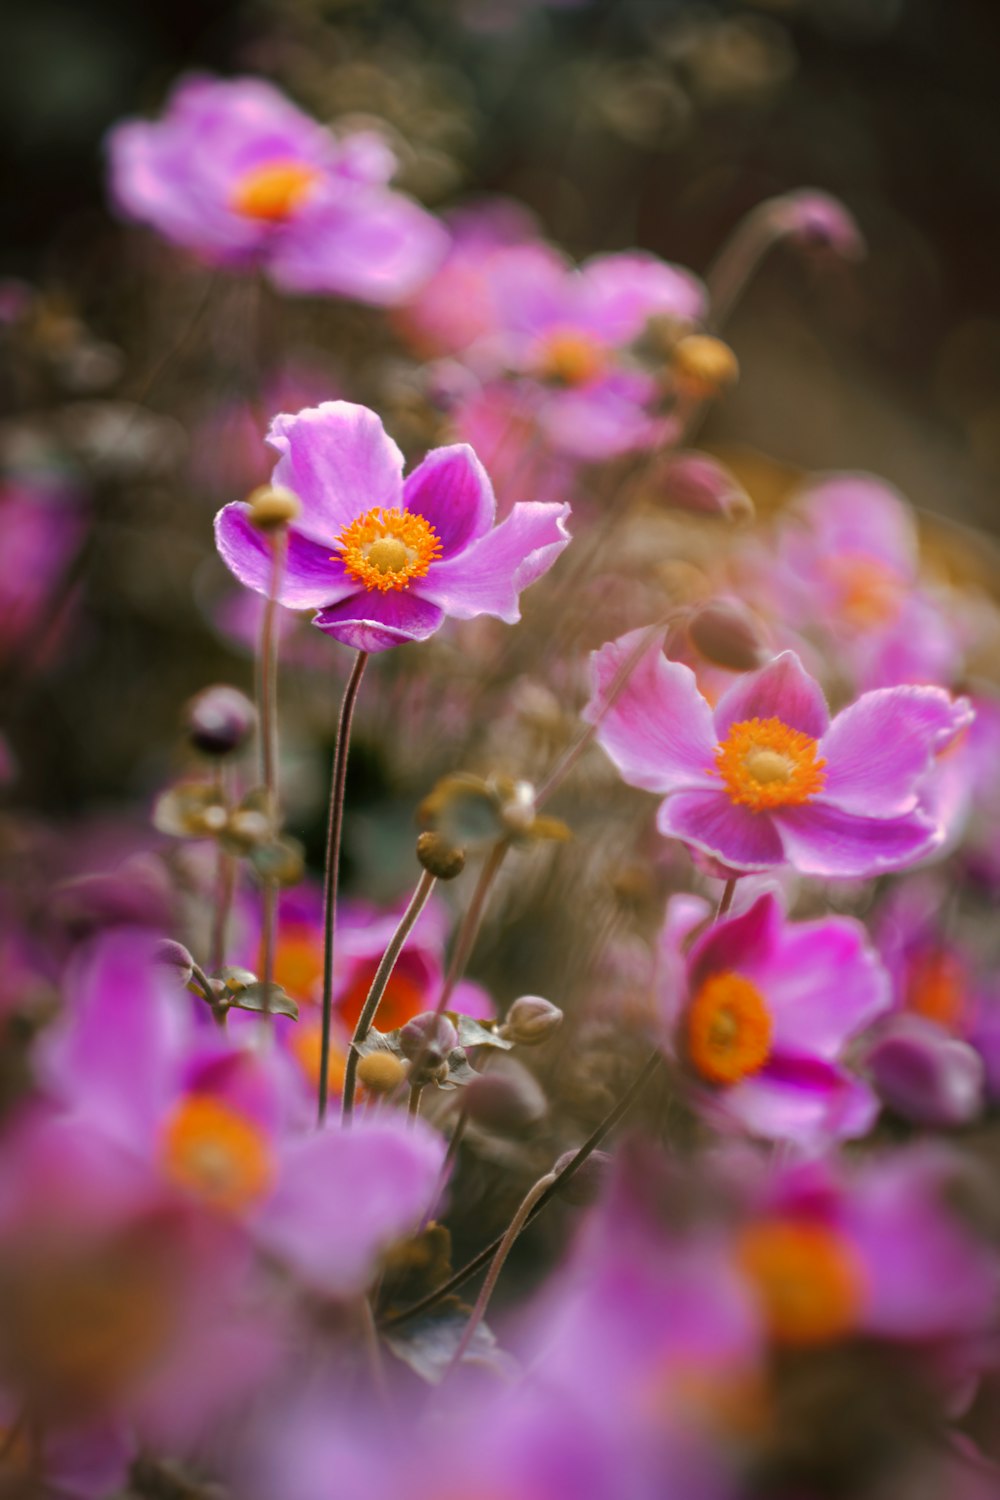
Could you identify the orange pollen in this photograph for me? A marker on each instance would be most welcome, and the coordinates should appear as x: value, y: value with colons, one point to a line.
x: 274, y: 191
x: 569, y: 358
x: 935, y: 988
x: 217, y: 1154
x: 728, y: 1029
x: 766, y: 764
x: 809, y: 1279
x: 384, y: 549
x: 870, y: 593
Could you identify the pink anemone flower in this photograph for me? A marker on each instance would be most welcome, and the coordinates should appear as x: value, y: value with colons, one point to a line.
x: 767, y: 779
x: 385, y: 560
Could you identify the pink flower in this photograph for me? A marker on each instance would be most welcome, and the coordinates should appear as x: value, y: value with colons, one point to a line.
x: 237, y: 174
x: 767, y: 779
x: 383, y: 560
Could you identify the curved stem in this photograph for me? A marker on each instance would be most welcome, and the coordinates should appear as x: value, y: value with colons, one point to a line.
x: 728, y: 275
x: 726, y: 900
x: 383, y: 974
x: 335, y: 822
x: 472, y: 921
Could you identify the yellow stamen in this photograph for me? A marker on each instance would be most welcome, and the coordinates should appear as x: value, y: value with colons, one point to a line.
x: 570, y: 358
x: 217, y: 1154
x: 764, y: 764
x: 809, y: 1279
x: 274, y: 191
x: 728, y: 1029
x: 385, y: 549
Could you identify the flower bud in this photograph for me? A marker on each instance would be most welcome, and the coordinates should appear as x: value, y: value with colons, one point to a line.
x: 816, y: 221
x: 925, y: 1075
x: 219, y: 720
x: 439, y: 856
x: 175, y: 956
x: 271, y: 507
x: 728, y: 635
x: 381, y: 1072
x: 588, y: 1179
x: 693, y: 481
x: 506, y: 1100
x: 704, y: 366
x: 530, y: 1020
x: 428, y: 1036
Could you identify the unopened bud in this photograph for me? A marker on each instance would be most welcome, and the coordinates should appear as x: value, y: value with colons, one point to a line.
x: 175, y: 956
x: 271, y: 507
x: 381, y: 1072
x: 588, y: 1179
x: 693, y: 481
x: 704, y: 366
x: 816, y: 221
x: 925, y: 1075
x: 428, y: 1036
x: 507, y: 1099
x: 728, y: 635
x: 219, y: 720
x: 439, y: 856
x: 530, y: 1020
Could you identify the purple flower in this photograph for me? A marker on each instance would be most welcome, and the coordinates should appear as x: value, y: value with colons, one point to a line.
x: 385, y: 560
x: 766, y: 1012
x: 767, y: 779
x: 237, y: 174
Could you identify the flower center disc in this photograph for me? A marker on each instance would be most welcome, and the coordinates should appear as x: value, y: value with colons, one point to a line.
x: 273, y: 191
x: 384, y: 549
x: 766, y: 764
x: 570, y: 358
x: 728, y: 1029
x: 808, y: 1277
x: 870, y: 593
x: 216, y: 1153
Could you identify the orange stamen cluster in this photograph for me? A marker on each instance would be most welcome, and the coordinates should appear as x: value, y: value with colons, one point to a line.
x: 307, y: 1049
x: 274, y: 191
x: 217, y: 1154
x: 570, y: 358
x: 385, y: 549
x: 728, y: 1029
x: 871, y: 594
x: 764, y: 763
x: 808, y: 1277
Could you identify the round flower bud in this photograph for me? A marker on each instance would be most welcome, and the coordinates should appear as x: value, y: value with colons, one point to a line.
x: 175, y: 956
x: 439, y: 856
x: 694, y: 482
x: 271, y: 507
x: 704, y: 366
x: 219, y: 720
x: 728, y: 635
x: 925, y: 1075
x: 428, y: 1036
x: 588, y: 1179
x: 506, y: 1100
x: 381, y: 1072
x: 816, y: 221
x: 530, y: 1020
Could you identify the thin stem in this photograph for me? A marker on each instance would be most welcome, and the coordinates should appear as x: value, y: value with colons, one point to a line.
x: 729, y: 274
x: 204, y: 984
x: 383, y: 974
x: 225, y: 885
x: 727, y: 899
x: 335, y: 823
x: 413, y: 1106
x: 472, y: 921
x: 590, y: 1145
x: 533, y: 1196
x: 268, y: 709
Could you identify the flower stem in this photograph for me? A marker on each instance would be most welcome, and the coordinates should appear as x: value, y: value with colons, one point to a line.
x: 334, y: 825
x: 729, y: 274
x: 268, y: 709
x: 383, y: 974
x: 225, y: 885
x: 413, y: 1107
x: 726, y: 899
x: 472, y: 921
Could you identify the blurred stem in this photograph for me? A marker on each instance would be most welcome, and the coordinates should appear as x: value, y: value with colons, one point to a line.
x: 335, y: 822
x: 413, y: 1107
x: 726, y: 900
x: 472, y: 921
x: 730, y: 273
x: 268, y: 709
x: 383, y: 974
x: 225, y: 883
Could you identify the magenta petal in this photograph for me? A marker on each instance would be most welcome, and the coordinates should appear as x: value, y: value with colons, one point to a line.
x: 823, y: 985
x: 744, y: 943
x: 373, y: 621
x: 781, y: 690
x: 878, y: 748
x: 488, y: 576
x: 822, y: 840
x: 658, y: 729
x: 310, y: 578
x: 340, y: 462
x: 368, y: 243
x: 452, y: 491
x: 801, y: 1100
x: 740, y: 839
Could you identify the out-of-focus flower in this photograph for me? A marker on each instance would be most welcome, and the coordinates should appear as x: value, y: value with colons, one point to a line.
x: 386, y: 561
x: 925, y: 1075
x: 767, y: 779
x: 234, y: 172
x: 42, y: 525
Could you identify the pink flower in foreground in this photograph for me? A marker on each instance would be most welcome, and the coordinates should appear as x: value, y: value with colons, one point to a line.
x: 767, y: 779
x: 385, y: 560
x: 237, y: 174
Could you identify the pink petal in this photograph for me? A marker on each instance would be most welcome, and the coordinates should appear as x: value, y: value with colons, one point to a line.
x: 367, y: 243
x: 488, y: 576
x: 373, y: 621
x: 452, y: 491
x: 877, y: 749
x: 824, y: 841
x: 340, y: 462
x: 744, y: 943
x: 738, y: 838
x: 311, y: 576
x: 800, y: 1100
x: 658, y: 729
x: 823, y: 985
x: 781, y: 690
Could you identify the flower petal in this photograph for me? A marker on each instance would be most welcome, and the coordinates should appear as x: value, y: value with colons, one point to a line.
x: 781, y: 690
x: 311, y: 576
x: 822, y: 840
x: 738, y: 838
x: 744, y: 943
x: 373, y: 621
x: 487, y: 577
x: 452, y: 491
x: 877, y: 749
x: 823, y: 985
x: 802, y: 1100
x: 658, y: 729
x: 367, y: 243
x: 340, y: 462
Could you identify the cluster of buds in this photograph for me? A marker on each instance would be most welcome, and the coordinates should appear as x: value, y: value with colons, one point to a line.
x: 471, y: 812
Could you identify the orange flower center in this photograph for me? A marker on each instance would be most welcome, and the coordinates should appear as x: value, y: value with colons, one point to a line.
x: 936, y: 989
x: 404, y: 998
x: 217, y: 1154
x: 307, y: 1049
x: 871, y: 594
x: 384, y: 549
x: 274, y: 191
x: 728, y: 1029
x: 766, y: 764
x: 570, y: 358
x: 298, y: 960
x: 808, y: 1277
